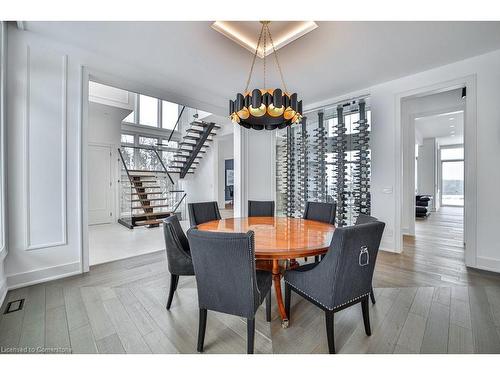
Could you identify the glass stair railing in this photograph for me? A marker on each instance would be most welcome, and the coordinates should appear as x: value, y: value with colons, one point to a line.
x: 148, y: 192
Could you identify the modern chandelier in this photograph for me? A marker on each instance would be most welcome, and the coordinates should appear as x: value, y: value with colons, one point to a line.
x: 265, y: 108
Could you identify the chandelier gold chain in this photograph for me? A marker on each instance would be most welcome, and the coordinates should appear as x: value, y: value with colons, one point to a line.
x: 277, y: 60
x: 253, y: 61
x: 265, y: 48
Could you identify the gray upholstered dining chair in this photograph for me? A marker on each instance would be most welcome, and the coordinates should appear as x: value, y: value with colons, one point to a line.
x: 260, y: 208
x: 343, y: 278
x: 201, y: 212
x: 320, y: 211
x: 178, y: 254
x: 363, y: 219
x: 224, y: 265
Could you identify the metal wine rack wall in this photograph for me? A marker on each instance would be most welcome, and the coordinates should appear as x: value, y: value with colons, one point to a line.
x: 326, y: 158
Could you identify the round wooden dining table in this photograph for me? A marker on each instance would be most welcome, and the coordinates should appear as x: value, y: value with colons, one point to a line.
x: 279, y: 241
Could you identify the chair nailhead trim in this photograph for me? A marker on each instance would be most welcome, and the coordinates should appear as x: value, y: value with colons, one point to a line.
x: 326, y: 307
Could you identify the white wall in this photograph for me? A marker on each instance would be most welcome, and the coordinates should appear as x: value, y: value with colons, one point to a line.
x: 226, y: 151
x: 105, y: 130
x: 105, y: 124
x: 202, y: 185
x: 254, y: 167
x: 427, y: 164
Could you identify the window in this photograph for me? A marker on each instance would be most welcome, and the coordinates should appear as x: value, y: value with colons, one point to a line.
x: 148, y: 110
x: 169, y: 114
x: 147, y: 141
x: 128, y: 138
x: 171, y: 144
x: 452, y: 176
x: 456, y: 153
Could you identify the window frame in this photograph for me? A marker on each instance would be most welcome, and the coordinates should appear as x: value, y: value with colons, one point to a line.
x: 440, y: 172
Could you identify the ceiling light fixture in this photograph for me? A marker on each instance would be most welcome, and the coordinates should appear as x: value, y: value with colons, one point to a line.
x: 265, y: 108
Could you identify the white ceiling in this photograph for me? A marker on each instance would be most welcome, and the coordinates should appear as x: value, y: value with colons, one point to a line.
x: 196, y: 61
x: 246, y: 33
x: 448, y: 128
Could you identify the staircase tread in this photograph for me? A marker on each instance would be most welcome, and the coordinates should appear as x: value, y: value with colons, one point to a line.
x: 204, y: 124
x: 140, y: 171
x: 148, y: 222
x: 148, y: 193
x: 146, y: 206
x: 148, y: 199
x: 196, y: 138
x: 199, y: 131
x: 151, y: 214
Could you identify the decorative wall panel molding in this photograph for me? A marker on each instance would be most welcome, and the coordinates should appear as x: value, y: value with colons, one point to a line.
x: 326, y: 159
x: 45, y: 148
x: 3, y: 154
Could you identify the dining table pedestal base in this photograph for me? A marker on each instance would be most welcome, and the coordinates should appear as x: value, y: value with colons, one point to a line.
x: 277, y: 270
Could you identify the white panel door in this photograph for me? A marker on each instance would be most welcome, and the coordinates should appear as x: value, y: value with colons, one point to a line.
x: 99, y: 179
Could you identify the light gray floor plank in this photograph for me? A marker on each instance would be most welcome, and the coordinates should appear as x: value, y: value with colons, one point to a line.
x: 82, y: 340
x: 33, y: 331
x: 422, y: 303
x: 184, y: 339
x: 460, y: 310
x: 442, y: 295
x: 75, y: 308
x: 412, y: 334
x: 159, y: 343
x: 493, y: 294
x: 56, y: 330
x: 393, y: 323
x: 136, y: 311
x: 98, y: 317
x: 110, y: 345
x: 436, y: 331
x: 54, y: 296
x: 128, y: 333
x: 359, y: 342
x: 11, y: 324
x: 460, y: 340
x: 486, y: 339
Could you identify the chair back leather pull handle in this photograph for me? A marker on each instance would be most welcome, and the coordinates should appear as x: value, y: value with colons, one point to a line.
x: 364, y: 256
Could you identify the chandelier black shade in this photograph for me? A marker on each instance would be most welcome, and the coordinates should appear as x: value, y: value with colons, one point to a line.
x: 265, y: 108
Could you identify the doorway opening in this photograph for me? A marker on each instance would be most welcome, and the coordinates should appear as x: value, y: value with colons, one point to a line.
x: 146, y: 159
x: 434, y: 179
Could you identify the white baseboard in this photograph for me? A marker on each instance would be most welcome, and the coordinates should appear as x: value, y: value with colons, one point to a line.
x: 488, y: 264
x: 42, y: 275
x: 388, y: 245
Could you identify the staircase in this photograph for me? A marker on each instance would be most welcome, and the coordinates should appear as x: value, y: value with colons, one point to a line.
x: 194, y: 144
x: 147, y: 195
x: 148, y: 192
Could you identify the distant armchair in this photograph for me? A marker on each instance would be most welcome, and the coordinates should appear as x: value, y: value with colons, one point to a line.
x: 343, y: 278
x: 260, y: 208
x: 178, y: 254
x: 202, y: 212
x: 320, y: 211
x: 224, y: 265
